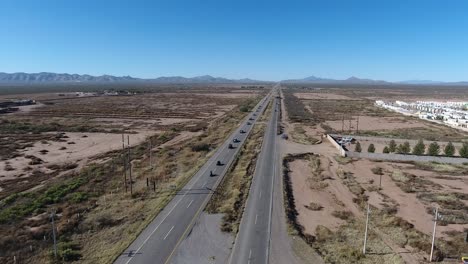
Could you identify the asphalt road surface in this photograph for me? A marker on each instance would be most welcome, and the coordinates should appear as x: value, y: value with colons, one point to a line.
x: 160, y: 239
x: 253, y: 240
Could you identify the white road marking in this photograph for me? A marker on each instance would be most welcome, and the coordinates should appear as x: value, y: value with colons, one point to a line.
x: 260, y: 194
x: 256, y: 216
x: 168, y: 232
x: 189, y: 204
x: 204, y: 184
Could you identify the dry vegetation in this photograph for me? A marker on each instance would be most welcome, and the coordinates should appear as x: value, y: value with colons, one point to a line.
x: 353, y: 111
x: 392, y: 228
x: 96, y: 219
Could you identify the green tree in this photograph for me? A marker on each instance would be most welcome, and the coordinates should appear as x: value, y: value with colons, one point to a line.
x: 404, y: 148
x: 433, y: 149
x: 386, y: 150
x: 464, y: 150
x: 358, y: 147
x: 419, y: 148
x: 371, y: 148
x: 449, y: 150
x: 392, y: 146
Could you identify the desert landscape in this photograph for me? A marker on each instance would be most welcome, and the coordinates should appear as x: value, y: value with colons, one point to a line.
x: 328, y: 194
x: 64, y: 155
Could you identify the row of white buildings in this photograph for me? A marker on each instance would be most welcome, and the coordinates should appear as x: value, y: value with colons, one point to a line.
x: 454, y: 114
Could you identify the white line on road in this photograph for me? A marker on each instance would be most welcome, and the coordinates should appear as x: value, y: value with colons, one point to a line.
x: 201, y: 172
x: 260, y: 194
x: 168, y: 232
x: 256, y: 216
x: 189, y: 204
x: 204, y: 184
x: 250, y: 256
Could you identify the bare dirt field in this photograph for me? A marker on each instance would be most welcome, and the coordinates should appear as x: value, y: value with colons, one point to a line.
x: 309, y: 96
x: 374, y: 123
x: 331, y: 193
x: 65, y: 154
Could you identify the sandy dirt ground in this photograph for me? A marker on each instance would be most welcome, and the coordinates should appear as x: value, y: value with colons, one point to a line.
x: 308, y: 96
x: 410, y: 207
x: 376, y: 123
x: 78, y: 148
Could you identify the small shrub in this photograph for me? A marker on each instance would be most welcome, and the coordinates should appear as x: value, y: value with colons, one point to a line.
x: 392, y: 146
x: 314, y: 206
x: 200, y: 147
x: 377, y: 170
x: 386, y: 150
x: 449, y: 150
x: 419, y: 148
x: 344, y: 215
x: 433, y: 149
x: 371, y: 148
x: 357, y: 148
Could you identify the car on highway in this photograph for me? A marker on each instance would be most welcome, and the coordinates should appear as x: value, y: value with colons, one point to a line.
x: 242, y: 131
x: 219, y: 163
x: 251, y: 119
x: 248, y: 123
x: 235, y: 140
x: 230, y: 146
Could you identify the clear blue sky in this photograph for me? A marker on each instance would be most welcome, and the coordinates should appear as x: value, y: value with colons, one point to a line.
x: 271, y: 40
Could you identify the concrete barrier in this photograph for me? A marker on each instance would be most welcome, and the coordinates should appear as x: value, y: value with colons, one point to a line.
x: 336, y: 145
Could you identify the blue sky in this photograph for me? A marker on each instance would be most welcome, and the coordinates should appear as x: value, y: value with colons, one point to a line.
x: 270, y: 40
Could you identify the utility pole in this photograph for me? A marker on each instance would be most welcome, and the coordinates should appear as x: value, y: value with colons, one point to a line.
x: 357, y: 125
x: 349, y: 128
x: 342, y: 125
x: 150, y: 155
x: 365, y: 234
x: 130, y: 165
x: 437, y: 216
x: 53, y: 233
x: 124, y: 162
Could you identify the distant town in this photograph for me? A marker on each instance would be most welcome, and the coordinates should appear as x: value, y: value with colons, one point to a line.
x: 451, y: 113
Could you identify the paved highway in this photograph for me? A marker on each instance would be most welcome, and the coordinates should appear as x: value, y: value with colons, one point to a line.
x: 158, y: 242
x: 253, y: 240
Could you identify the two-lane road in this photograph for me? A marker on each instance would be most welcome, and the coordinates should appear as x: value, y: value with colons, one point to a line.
x: 158, y: 242
x: 253, y: 240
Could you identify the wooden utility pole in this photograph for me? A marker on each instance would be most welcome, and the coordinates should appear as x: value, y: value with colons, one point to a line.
x: 150, y: 155
x: 349, y: 128
x: 365, y: 234
x: 130, y: 165
x: 124, y: 162
x: 357, y: 125
x: 342, y: 125
x: 437, y: 217
x: 52, y: 215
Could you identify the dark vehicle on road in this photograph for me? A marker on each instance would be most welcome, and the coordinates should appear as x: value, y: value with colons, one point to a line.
x: 235, y: 140
x: 242, y: 131
x: 251, y: 119
x: 230, y: 146
x: 219, y: 163
x: 248, y: 123
x: 212, y: 174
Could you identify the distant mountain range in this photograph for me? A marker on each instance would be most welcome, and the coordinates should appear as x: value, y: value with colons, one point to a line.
x: 356, y: 80
x: 350, y: 80
x: 48, y: 77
